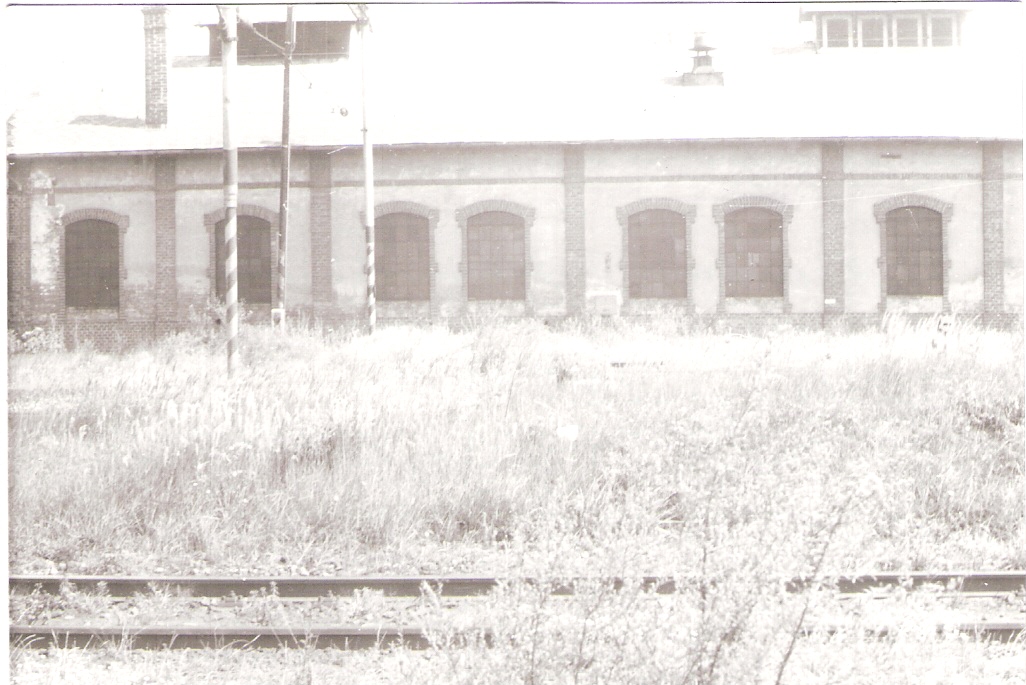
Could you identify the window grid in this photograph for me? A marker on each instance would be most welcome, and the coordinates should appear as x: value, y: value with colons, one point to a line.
x: 496, y: 256
x: 877, y: 30
x: 92, y: 270
x: 907, y: 32
x: 314, y: 39
x: 253, y: 252
x: 872, y: 32
x: 837, y: 32
x: 402, y: 257
x: 657, y: 254
x: 915, y: 254
x: 942, y: 31
x: 754, y: 253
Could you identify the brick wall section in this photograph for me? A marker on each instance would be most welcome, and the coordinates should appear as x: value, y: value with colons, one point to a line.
x: 832, y: 156
x: 320, y: 234
x: 18, y: 247
x: 46, y: 246
x: 156, y: 65
x: 993, y: 233
x: 166, y: 305
x: 573, y: 188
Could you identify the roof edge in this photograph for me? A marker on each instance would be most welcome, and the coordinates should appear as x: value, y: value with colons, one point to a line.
x: 388, y: 146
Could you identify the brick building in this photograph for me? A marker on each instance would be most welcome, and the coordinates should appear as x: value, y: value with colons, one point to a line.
x: 865, y: 159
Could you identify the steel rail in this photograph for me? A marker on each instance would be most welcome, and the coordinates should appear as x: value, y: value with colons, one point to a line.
x: 351, y: 638
x: 311, y: 587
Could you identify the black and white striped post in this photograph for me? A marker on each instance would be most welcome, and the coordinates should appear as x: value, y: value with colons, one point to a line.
x: 229, y: 58
x: 278, y: 313
x: 368, y: 172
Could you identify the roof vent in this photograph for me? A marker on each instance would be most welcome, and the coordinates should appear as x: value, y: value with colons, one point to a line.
x: 702, y: 72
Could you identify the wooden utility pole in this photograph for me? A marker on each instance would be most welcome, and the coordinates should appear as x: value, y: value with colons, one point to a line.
x: 229, y: 59
x: 286, y: 163
x: 368, y: 172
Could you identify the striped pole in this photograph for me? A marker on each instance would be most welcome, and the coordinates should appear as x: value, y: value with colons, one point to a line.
x: 368, y: 177
x: 286, y: 162
x: 229, y: 57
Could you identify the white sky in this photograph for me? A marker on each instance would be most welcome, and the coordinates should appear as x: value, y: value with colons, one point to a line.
x: 66, y: 47
x: 93, y: 54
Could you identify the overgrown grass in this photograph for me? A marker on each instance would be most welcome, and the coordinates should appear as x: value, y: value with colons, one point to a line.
x: 422, y: 449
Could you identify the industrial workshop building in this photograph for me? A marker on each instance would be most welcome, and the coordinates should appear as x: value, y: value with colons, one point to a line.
x: 867, y: 162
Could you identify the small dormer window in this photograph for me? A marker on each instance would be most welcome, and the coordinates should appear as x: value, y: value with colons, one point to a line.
x: 315, y: 40
x: 942, y: 31
x: 901, y: 29
x: 872, y: 32
x: 838, y: 32
x: 907, y: 32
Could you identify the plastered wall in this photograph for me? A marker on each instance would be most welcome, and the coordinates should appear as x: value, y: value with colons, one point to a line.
x: 448, y: 179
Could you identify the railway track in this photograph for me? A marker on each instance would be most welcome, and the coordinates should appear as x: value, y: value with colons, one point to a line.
x: 309, y: 587
x: 967, y: 585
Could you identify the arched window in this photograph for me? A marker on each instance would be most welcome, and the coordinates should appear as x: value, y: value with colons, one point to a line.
x: 657, y: 254
x: 915, y: 252
x: 253, y: 250
x: 92, y: 269
x: 402, y: 259
x: 496, y: 254
x: 754, y: 253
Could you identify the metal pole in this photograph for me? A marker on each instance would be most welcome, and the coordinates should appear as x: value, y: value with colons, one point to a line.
x: 368, y: 177
x: 286, y: 162
x: 229, y: 58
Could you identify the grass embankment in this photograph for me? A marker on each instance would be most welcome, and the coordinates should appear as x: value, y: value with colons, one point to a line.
x: 623, y: 449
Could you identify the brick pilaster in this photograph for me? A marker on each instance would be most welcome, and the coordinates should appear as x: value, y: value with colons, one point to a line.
x: 573, y: 189
x: 320, y: 232
x: 993, y: 233
x: 166, y: 304
x: 46, y: 247
x: 19, y: 245
x: 156, y: 64
x: 832, y: 161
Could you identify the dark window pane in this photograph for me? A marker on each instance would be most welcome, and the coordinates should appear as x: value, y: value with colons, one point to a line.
x: 92, y: 269
x: 496, y: 268
x: 314, y: 39
x: 253, y: 255
x: 657, y: 254
x: 754, y: 241
x: 906, y: 32
x: 838, y: 32
x: 872, y: 32
x: 401, y: 257
x: 322, y: 39
x: 914, y: 252
x: 942, y: 31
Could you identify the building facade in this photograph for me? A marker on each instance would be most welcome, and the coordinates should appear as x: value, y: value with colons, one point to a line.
x: 824, y: 230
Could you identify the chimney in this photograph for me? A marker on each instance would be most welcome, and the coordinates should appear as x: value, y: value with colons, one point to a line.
x: 157, y: 65
x: 702, y: 72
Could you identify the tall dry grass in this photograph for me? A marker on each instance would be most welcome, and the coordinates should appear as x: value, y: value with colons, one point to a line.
x: 641, y: 445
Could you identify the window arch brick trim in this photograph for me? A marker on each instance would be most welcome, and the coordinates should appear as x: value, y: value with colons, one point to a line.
x: 720, y: 213
x: 429, y: 213
x: 96, y: 214
x: 881, y: 209
x: 623, y: 215
x: 408, y: 207
x: 945, y: 209
x: 524, y: 212
x: 210, y: 221
x: 76, y: 215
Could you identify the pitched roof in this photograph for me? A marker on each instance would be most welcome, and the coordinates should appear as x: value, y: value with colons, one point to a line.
x: 519, y: 74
